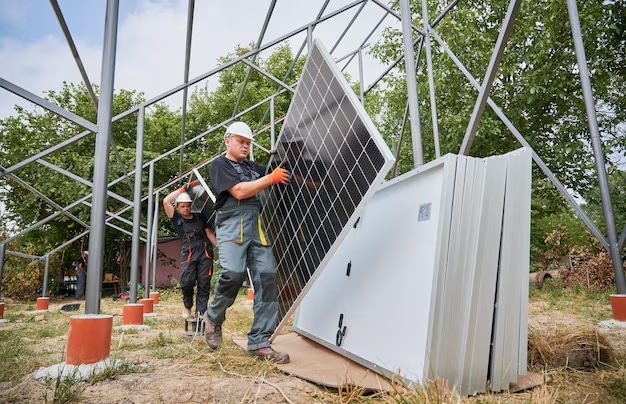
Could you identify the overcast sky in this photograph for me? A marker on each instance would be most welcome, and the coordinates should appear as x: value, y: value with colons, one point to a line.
x: 151, y: 40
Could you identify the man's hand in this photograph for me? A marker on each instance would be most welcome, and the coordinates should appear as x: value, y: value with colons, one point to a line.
x: 279, y: 175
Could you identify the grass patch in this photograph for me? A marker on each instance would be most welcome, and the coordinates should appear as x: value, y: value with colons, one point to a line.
x: 578, y: 300
x: 26, y: 344
x: 16, y: 356
x: 64, y: 389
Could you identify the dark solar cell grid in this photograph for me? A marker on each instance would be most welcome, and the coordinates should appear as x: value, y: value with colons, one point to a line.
x: 334, y: 161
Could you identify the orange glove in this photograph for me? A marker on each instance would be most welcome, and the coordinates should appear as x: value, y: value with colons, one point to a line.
x: 279, y: 175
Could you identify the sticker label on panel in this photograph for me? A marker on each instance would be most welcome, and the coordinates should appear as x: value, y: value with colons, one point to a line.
x: 424, y: 212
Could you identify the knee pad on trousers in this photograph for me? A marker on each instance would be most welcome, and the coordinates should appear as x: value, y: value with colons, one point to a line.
x: 230, y: 282
x: 269, y: 288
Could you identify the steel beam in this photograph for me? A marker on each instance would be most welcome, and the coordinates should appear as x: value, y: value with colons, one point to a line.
x: 27, y: 95
x: 581, y: 213
x: 596, y: 145
x: 190, y: 10
x: 411, y: 83
x: 431, y: 78
x: 268, y: 16
x: 490, y: 74
x: 101, y: 164
x: 134, y: 258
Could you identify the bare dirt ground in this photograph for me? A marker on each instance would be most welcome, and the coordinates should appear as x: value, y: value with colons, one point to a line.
x: 167, y: 366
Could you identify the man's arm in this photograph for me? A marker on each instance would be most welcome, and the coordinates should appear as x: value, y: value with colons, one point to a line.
x: 247, y: 189
x: 210, y: 235
x: 168, y: 201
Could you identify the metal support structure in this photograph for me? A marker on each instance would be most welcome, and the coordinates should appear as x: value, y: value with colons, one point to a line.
x: 74, y: 50
x: 190, y: 10
x: 400, y: 16
x: 146, y: 266
x: 363, y: 44
x: 559, y: 186
x: 272, y: 126
x: 345, y: 31
x: 268, y: 16
x: 101, y: 164
x: 251, y: 65
x: 411, y: 83
x: 309, y: 37
x: 155, y: 242
x: 45, y: 198
x: 361, y: 82
x: 46, y: 276
x: 27, y: 95
x: 23, y: 255
x: 295, y: 59
x: 490, y: 74
x: 614, y: 243
x: 394, y: 170
x: 134, y: 257
x: 596, y: 145
x: 431, y: 78
x: 83, y: 181
x: 1, y: 265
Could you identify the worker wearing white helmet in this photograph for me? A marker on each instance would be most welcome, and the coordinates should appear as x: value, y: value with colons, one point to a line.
x: 242, y: 242
x: 196, y: 256
x: 239, y: 128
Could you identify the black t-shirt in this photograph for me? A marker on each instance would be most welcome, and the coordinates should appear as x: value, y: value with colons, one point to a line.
x: 80, y: 261
x: 224, y: 175
x: 177, y: 222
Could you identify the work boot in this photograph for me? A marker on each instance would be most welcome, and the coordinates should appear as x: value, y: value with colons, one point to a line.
x: 268, y: 354
x: 212, y: 334
x: 186, y: 313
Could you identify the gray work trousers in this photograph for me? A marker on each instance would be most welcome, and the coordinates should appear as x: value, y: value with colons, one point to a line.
x: 242, y: 243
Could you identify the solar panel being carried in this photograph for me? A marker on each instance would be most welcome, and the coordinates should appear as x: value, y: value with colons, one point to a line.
x: 337, y: 158
x: 203, y: 200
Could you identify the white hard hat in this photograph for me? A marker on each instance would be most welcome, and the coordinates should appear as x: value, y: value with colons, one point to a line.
x: 86, y: 252
x: 239, y: 128
x: 184, y: 197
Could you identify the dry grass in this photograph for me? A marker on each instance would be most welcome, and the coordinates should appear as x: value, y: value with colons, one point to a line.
x: 164, y: 357
x: 575, y: 346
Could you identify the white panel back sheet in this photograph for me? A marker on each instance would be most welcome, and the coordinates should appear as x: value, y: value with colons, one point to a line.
x: 404, y: 215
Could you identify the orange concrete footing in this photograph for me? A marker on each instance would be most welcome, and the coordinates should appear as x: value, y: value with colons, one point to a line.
x: 155, y: 296
x: 148, y: 305
x: 1, y: 311
x: 89, y: 339
x: 132, y: 314
x: 618, y: 305
x: 42, y: 303
x: 250, y: 294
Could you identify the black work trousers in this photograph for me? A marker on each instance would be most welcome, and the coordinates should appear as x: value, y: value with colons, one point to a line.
x: 196, y: 269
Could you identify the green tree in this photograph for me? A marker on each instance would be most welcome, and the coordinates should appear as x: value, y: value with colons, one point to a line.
x: 31, y: 131
x: 537, y: 87
x: 208, y: 108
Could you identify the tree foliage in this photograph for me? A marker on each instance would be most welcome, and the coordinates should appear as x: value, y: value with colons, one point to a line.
x: 29, y: 132
x: 537, y: 86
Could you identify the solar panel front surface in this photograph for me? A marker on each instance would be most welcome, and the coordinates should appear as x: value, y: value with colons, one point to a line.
x: 335, y: 155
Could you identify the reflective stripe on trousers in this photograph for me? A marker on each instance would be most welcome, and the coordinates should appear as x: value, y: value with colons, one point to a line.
x: 242, y: 243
